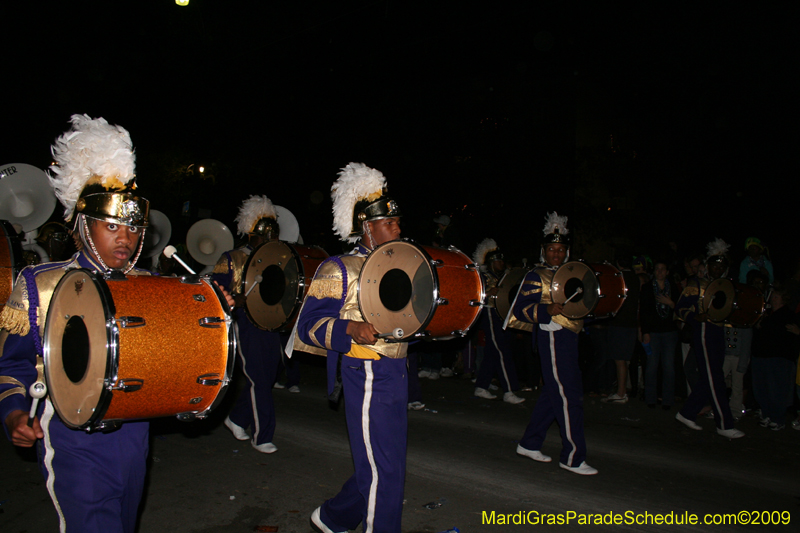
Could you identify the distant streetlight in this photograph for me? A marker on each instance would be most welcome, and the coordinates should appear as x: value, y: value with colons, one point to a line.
x: 182, y: 2
x: 202, y: 169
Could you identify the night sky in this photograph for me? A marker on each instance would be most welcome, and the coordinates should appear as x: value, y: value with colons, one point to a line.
x: 642, y: 125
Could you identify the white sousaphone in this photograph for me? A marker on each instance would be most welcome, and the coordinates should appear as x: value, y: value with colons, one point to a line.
x: 206, y: 240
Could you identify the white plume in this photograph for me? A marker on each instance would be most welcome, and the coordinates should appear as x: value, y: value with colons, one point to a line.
x: 92, y: 148
x: 486, y: 246
x: 717, y: 247
x: 356, y: 182
x: 254, y: 209
x: 553, y: 221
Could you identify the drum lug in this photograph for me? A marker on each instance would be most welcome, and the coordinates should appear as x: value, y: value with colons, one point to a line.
x: 472, y: 266
x: 105, y: 426
x: 211, y: 322
x: 191, y: 279
x: 476, y: 303
x: 459, y: 333
x: 186, y: 417
x: 128, y: 385
x: 131, y: 322
x: 209, y: 379
x: 114, y: 275
x: 437, y: 262
x: 441, y: 301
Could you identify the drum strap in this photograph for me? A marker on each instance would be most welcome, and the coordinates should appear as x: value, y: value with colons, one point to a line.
x: 33, y: 312
x: 33, y: 309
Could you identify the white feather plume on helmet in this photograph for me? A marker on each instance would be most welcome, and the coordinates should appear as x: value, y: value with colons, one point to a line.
x: 485, y: 246
x: 91, y: 152
x: 555, y: 224
x: 356, y: 183
x: 717, y: 247
x: 254, y: 209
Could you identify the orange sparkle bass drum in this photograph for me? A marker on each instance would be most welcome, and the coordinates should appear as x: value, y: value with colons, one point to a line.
x: 120, y: 348
x: 597, y: 290
x: 735, y: 303
x: 422, y: 291
x: 277, y: 276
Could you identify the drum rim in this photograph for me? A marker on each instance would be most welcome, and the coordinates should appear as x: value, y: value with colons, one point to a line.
x: 301, y: 284
x: 112, y: 348
x: 419, y: 332
x: 232, y: 347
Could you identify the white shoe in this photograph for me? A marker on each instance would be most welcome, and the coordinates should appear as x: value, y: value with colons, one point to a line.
x: 582, y: 469
x: 424, y: 374
x: 615, y: 398
x: 492, y: 386
x: 732, y: 433
x: 512, y: 398
x: 688, y: 423
x: 483, y: 393
x: 294, y: 388
x: 278, y: 386
x: 416, y: 406
x: 434, y: 374
x: 536, y: 455
x: 318, y: 524
x: 267, y: 447
x: 239, y: 432
x: 446, y: 372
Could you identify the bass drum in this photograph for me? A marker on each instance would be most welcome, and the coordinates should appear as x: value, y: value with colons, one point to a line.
x: 596, y: 290
x: 276, y: 279
x: 10, y: 260
x: 427, y: 292
x: 123, y: 348
x: 508, y: 288
x: 735, y: 303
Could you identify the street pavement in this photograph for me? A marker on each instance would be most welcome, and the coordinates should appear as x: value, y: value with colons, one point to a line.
x: 462, y: 467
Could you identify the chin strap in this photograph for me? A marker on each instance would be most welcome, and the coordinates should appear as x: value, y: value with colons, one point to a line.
x: 371, y: 243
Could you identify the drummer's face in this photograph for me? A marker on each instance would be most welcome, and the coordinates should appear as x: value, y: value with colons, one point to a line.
x: 115, y: 243
x: 555, y: 253
x: 716, y: 269
x: 385, y: 229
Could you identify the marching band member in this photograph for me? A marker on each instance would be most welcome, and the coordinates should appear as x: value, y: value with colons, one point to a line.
x: 561, y: 398
x: 259, y: 350
x: 94, y: 479
x: 497, y: 356
x: 373, y: 372
x: 708, y: 343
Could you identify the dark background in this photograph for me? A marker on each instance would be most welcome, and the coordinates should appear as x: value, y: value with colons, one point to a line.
x: 642, y: 124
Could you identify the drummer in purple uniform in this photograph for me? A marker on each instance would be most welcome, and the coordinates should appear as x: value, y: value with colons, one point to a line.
x: 94, y: 479
x: 373, y: 372
x: 259, y: 350
x: 708, y: 344
x: 561, y: 399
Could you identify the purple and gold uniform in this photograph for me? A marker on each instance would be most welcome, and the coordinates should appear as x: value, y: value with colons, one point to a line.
x: 497, y: 356
x: 259, y: 355
x: 561, y: 398
x: 375, y: 387
x: 94, y: 479
x: 708, y: 343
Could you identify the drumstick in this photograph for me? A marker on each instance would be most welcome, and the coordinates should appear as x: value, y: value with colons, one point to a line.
x: 258, y: 279
x: 169, y: 252
x: 396, y: 333
x: 574, y: 294
x: 37, y: 390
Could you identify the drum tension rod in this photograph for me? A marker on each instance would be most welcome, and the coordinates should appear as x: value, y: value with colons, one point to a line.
x: 129, y: 385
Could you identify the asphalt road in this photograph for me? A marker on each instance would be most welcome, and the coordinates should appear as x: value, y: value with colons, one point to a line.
x: 461, y: 455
